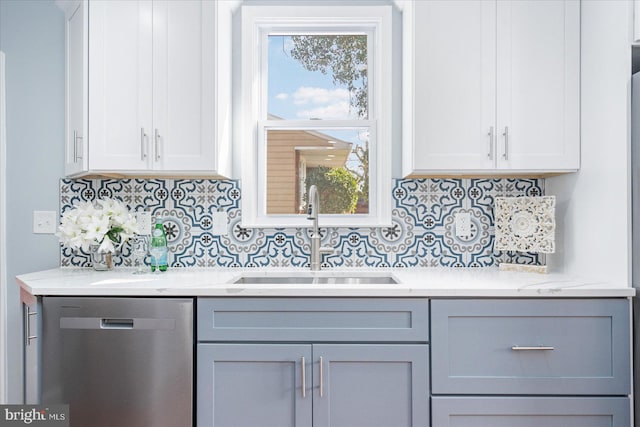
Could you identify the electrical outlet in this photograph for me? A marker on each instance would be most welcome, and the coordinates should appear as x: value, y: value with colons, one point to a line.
x: 463, y: 224
x: 45, y: 222
x: 220, y: 227
x: 144, y: 222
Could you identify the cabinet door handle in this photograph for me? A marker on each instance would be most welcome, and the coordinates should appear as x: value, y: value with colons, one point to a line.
x: 505, y: 155
x: 157, y: 145
x: 143, y: 144
x: 491, y: 137
x: 28, y: 336
x: 304, y: 383
x: 531, y: 348
x: 75, y: 146
x: 321, y: 389
x: 77, y: 152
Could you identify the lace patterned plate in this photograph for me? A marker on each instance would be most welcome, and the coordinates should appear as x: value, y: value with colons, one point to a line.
x: 525, y: 224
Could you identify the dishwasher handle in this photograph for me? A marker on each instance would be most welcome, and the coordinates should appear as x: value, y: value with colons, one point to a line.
x: 115, y: 323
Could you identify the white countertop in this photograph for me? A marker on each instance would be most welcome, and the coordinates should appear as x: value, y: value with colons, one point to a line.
x: 413, y: 282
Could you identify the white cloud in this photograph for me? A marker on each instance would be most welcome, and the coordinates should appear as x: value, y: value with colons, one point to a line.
x: 318, y: 96
x: 338, y: 110
x: 282, y: 96
x: 322, y: 103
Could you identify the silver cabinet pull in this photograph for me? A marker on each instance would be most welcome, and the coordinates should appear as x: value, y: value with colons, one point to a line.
x: 75, y: 146
x: 28, y: 335
x: 157, y: 144
x: 531, y: 348
x: 321, y: 389
x: 143, y: 144
x: 304, y: 383
x: 505, y: 155
x: 491, y: 137
x: 77, y: 149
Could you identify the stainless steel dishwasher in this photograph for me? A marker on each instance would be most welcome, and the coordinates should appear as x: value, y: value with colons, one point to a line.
x: 125, y: 362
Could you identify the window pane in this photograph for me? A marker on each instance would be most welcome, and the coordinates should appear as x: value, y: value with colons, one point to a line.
x: 317, y: 77
x: 336, y: 161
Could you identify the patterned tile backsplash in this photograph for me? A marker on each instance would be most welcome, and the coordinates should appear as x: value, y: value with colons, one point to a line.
x: 422, y: 234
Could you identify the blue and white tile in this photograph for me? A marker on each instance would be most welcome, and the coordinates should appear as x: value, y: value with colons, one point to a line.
x: 422, y: 232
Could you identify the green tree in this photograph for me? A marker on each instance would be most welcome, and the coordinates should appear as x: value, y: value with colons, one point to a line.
x: 337, y: 188
x: 362, y: 172
x: 345, y: 56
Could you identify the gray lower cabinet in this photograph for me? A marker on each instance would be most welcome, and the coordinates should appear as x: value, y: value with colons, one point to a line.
x: 32, y: 327
x: 371, y: 385
x: 272, y: 362
x: 538, y: 347
x: 299, y: 385
x: 530, y: 412
x: 248, y: 385
x: 530, y: 363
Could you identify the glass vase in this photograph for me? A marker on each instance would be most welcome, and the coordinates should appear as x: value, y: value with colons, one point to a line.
x: 101, y: 261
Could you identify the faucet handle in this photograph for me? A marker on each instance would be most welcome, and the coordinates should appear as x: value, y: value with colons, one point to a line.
x: 327, y: 250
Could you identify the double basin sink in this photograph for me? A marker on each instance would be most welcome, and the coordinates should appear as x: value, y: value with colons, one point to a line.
x: 317, y: 279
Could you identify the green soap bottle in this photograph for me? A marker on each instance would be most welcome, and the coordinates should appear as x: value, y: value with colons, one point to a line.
x: 158, y: 248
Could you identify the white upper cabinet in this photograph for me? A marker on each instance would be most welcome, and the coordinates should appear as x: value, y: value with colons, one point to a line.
x: 76, y: 83
x: 120, y: 85
x: 157, y: 104
x: 491, y: 87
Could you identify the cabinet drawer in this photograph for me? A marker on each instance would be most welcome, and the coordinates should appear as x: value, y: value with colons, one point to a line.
x: 530, y: 411
x: 313, y: 319
x: 579, y: 347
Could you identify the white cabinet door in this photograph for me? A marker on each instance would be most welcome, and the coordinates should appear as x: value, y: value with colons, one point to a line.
x: 453, y: 92
x: 493, y: 87
x: 538, y: 89
x: 183, y: 85
x: 636, y: 20
x: 148, y: 87
x: 76, y: 82
x: 120, y: 84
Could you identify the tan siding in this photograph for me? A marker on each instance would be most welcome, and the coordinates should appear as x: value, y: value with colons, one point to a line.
x: 282, y: 168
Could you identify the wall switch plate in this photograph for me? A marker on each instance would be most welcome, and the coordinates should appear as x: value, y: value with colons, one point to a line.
x: 144, y: 223
x: 45, y: 222
x: 463, y: 224
x: 220, y: 227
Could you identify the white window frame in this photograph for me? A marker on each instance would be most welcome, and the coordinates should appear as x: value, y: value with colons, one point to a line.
x: 258, y: 21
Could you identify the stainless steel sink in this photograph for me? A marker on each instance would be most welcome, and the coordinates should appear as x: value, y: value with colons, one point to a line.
x: 321, y: 280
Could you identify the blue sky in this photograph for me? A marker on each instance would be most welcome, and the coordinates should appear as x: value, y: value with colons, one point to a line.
x: 295, y: 93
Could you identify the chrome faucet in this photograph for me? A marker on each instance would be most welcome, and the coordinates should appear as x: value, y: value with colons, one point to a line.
x: 313, y: 212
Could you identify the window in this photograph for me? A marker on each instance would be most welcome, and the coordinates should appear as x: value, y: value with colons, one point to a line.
x: 316, y: 110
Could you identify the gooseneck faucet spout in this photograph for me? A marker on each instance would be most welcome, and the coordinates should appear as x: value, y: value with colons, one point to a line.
x: 312, y: 214
x: 314, y: 210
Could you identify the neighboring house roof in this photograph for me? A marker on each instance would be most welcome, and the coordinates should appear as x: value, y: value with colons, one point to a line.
x: 327, y: 151
x: 289, y: 151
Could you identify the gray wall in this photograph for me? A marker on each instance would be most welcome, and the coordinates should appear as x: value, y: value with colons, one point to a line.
x: 32, y: 37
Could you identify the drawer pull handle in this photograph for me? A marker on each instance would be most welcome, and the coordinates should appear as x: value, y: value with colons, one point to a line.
x: 526, y: 348
x: 491, y: 136
x: 321, y: 388
x: 304, y: 385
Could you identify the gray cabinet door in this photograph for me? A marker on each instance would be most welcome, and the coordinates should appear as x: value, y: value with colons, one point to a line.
x: 32, y: 324
x: 371, y: 385
x: 530, y: 411
x: 313, y: 319
x: 245, y: 385
x: 569, y: 347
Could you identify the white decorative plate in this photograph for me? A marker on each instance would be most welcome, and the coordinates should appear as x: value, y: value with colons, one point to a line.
x: 525, y: 224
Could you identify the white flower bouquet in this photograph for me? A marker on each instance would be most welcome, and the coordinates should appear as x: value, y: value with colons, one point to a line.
x: 106, y: 222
